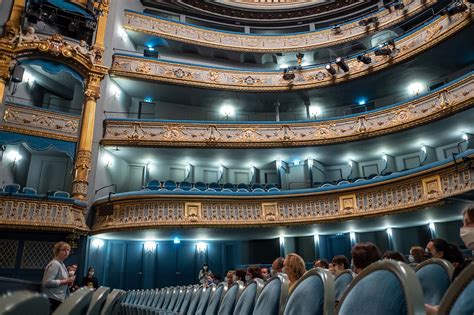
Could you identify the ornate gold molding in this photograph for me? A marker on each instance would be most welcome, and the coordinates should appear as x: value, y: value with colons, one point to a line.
x: 44, y: 123
x: 400, y: 194
x: 267, y: 43
x: 230, y: 79
x: 458, y: 96
x: 35, y: 214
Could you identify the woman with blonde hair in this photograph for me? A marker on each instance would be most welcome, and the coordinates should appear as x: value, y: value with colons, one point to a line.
x: 294, y: 267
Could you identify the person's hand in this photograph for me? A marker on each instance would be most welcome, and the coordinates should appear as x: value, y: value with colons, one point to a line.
x: 69, y: 280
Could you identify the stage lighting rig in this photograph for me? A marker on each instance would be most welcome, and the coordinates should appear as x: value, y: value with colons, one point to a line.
x: 342, y: 64
x: 331, y: 69
x: 364, y: 59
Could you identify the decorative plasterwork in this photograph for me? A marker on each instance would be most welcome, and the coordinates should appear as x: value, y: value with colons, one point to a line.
x: 41, y: 214
x: 234, y: 79
x: 267, y: 43
x: 44, y: 123
x: 455, y: 97
x: 137, y: 212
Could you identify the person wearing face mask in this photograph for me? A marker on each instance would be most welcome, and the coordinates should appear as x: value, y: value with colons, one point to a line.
x: 417, y: 255
x: 230, y: 278
x: 203, y: 273
x: 72, y: 273
x: 90, y: 280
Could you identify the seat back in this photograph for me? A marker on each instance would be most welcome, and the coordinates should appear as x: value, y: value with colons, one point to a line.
x: 216, y: 299
x: 194, y: 301
x: 174, y: 297
x: 459, y: 298
x: 215, y: 186
x: 179, y: 299
x: 204, y: 299
x: 24, y: 302
x: 246, y: 302
x: 168, y: 295
x: 274, y: 295
x: 98, y: 299
x: 232, y: 295
x: 61, y: 194
x: 153, y: 184
x: 313, y: 294
x: 200, y: 185
x: 435, y: 277
x: 185, y: 185
x: 112, y: 304
x: 341, y: 283
x: 229, y: 186
x: 183, y: 308
x: 75, y: 304
x: 11, y: 188
x: 169, y: 184
x: 29, y: 191
x: 397, y: 291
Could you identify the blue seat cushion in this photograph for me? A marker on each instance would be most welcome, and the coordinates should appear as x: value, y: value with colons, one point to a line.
x: 464, y: 304
x: 228, y: 302
x: 307, y: 298
x: 340, y: 285
x: 246, y: 302
x: 380, y: 292
x: 434, y: 280
x: 269, y: 300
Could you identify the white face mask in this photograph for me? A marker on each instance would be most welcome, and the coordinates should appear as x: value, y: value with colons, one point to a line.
x: 234, y: 278
x: 247, y: 278
x: 91, y: 273
x: 467, y: 235
x: 71, y: 273
x: 411, y: 258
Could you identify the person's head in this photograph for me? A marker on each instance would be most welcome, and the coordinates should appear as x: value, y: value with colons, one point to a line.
x: 240, y: 275
x: 363, y: 254
x: 467, y: 230
x: 340, y: 263
x: 438, y: 248
x: 90, y: 272
x: 294, y: 266
x: 321, y: 263
x: 71, y: 270
x: 265, y: 273
x: 277, y: 266
x: 205, y: 267
x: 230, y: 276
x: 61, y: 250
x: 390, y: 254
x: 252, y: 273
x: 417, y: 255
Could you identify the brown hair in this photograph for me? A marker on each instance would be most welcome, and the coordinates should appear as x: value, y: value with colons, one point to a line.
x: 58, y: 246
x: 341, y: 260
x: 256, y: 272
x: 418, y: 254
x: 363, y: 254
x: 390, y: 254
x: 295, y: 265
x: 469, y: 213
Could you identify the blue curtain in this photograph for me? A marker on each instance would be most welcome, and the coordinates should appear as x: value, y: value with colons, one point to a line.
x: 54, y: 68
x: 39, y: 143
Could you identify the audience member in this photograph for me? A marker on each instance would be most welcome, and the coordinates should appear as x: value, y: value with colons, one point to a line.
x: 363, y: 254
x: 203, y: 273
x: 56, y: 279
x: 294, y: 267
x: 438, y: 248
x: 252, y: 273
x: 71, y: 270
x: 321, y: 263
x: 90, y: 280
x: 390, y: 254
x: 265, y: 273
x: 277, y: 266
x: 340, y: 263
x: 417, y: 255
x: 230, y: 277
x: 240, y: 275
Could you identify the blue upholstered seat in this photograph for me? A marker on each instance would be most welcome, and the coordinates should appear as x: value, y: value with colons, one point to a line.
x: 246, y: 302
x: 11, y: 188
x: 169, y: 184
x: 227, y: 190
x: 273, y: 296
x: 215, y: 186
x: 313, y: 294
x: 258, y: 190
x: 204, y: 300
x: 153, y: 184
x: 29, y: 191
x: 183, y: 308
x: 243, y: 186
x: 180, y: 298
x: 24, y: 302
x: 385, y: 287
x: 76, y: 304
x: 112, y: 304
x: 435, y: 277
x: 200, y: 185
x: 268, y: 186
x: 243, y: 190
x: 459, y: 298
x: 61, y: 194
x: 194, y: 301
x: 98, y: 299
x: 341, y: 283
x: 185, y: 185
x: 230, y: 298
x: 229, y: 186
x: 273, y: 189
x: 216, y: 299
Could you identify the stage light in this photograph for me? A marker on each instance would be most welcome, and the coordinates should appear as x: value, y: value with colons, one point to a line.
x: 342, y: 64
x: 227, y: 110
x: 288, y: 74
x: 331, y: 69
x: 337, y: 29
x: 176, y: 240
x: 364, y: 59
x: 362, y: 102
x: 399, y: 5
x: 457, y: 8
x: 383, y: 51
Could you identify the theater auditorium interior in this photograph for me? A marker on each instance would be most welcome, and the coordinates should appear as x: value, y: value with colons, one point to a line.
x: 236, y: 157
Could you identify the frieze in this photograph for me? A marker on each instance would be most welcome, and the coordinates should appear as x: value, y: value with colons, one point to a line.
x: 33, y: 120
x: 48, y: 214
x: 266, y: 44
x: 418, y: 190
x: 453, y: 98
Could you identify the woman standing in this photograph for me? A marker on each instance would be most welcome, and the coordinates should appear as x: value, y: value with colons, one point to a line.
x: 56, y: 279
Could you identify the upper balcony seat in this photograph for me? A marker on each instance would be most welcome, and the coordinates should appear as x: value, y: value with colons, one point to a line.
x: 229, y: 186
x: 29, y: 191
x: 11, y: 188
x: 169, y: 184
x: 185, y: 185
x: 153, y: 184
x: 215, y: 186
x: 201, y: 186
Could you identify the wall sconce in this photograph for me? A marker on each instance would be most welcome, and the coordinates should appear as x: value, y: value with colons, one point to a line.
x: 97, y: 243
x: 278, y: 163
x: 201, y: 247
x: 14, y: 156
x: 352, y: 236
x: 149, y: 246
x: 389, y: 232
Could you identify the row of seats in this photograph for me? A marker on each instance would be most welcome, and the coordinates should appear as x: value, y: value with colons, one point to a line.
x: 11, y: 189
x: 169, y: 185
x: 82, y: 302
x: 399, y: 291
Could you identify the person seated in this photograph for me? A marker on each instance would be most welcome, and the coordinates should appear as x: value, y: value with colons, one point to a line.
x: 90, y: 280
x: 265, y: 273
x: 277, y: 266
x: 230, y: 278
x: 363, y: 254
x: 240, y: 275
x: 390, y: 254
x: 340, y: 263
x: 417, y: 255
x: 203, y: 273
x: 294, y: 267
x: 72, y: 269
x: 321, y: 263
x: 252, y: 273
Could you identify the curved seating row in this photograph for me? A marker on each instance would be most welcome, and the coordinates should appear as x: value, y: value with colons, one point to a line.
x: 11, y: 189
x: 400, y: 291
x: 169, y: 185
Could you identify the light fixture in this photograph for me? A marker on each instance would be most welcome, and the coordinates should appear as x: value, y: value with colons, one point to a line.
x: 316, y: 238
x: 337, y: 29
x: 296, y: 162
x: 278, y: 163
x: 97, y: 243
x: 352, y: 237
x: 288, y: 74
x: 14, y: 156
x: 314, y: 111
x: 457, y: 7
x: 423, y: 148
x: 465, y: 137
x: 415, y: 88
x: 389, y: 232
x: 432, y: 226
x: 149, y: 246
x: 227, y: 110
x: 148, y: 99
x: 350, y: 163
x: 342, y: 64
x: 201, y: 247
x: 362, y: 102
x: 106, y: 159
x: 384, y: 157
x: 330, y: 69
x: 282, y: 240
x: 364, y: 59
x: 310, y: 162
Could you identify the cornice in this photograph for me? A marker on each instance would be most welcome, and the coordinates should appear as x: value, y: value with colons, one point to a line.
x: 25, y: 213
x: 315, y: 77
x: 436, y: 105
x: 201, y: 36
x: 420, y: 190
x: 37, y: 122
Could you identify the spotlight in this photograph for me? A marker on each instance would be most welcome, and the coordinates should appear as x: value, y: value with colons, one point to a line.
x: 337, y: 29
x: 331, y: 69
x: 383, y: 51
x: 399, y: 5
x: 288, y: 74
x: 457, y: 8
x: 374, y: 20
x: 364, y: 59
x: 342, y: 64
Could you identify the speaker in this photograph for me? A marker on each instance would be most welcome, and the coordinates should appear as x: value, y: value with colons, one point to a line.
x: 17, y: 74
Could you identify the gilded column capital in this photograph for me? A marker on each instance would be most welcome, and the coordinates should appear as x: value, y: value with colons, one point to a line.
x: 6, y: 63
x: 81, y: 171
x: 92, y: 90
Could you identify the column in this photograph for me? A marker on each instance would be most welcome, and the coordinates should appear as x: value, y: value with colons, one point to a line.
x: 99, y: 47
x: 82, y: 164
x: 13, y: 24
